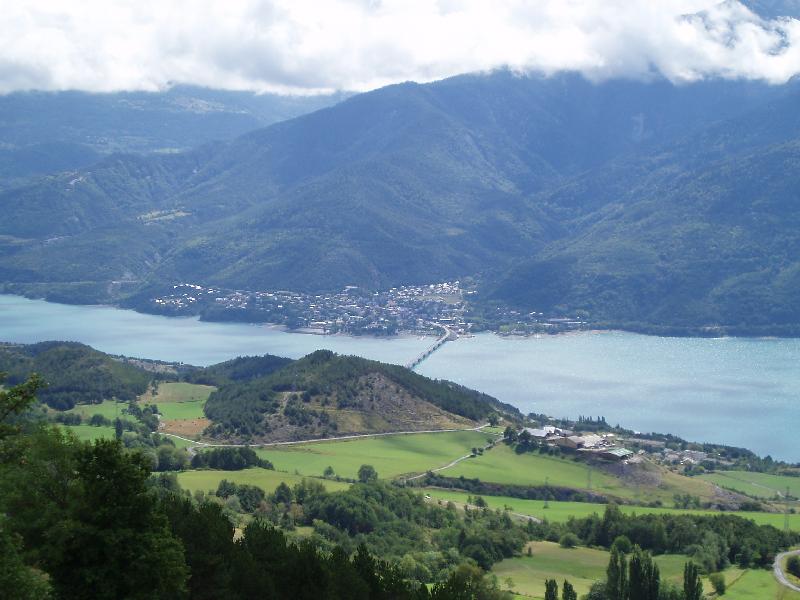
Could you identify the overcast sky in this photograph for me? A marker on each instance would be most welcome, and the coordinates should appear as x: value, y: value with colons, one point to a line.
x: 305, y: 46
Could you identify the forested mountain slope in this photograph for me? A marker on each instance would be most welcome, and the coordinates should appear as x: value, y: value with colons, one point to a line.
x: 501, y: 177
x: 701, y: 234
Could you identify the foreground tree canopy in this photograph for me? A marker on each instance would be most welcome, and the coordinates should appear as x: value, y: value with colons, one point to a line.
x: 83, y: 521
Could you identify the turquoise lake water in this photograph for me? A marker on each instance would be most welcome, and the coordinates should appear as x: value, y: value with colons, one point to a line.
x: 743, y: 392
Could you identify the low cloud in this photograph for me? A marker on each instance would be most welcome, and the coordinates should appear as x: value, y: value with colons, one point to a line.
x: 305, y: 46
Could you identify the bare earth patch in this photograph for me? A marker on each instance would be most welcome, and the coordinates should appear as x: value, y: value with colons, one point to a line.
x: 190, y: 428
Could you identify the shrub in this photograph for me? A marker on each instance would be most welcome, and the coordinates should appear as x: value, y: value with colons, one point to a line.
x: 569, y: 540
x: 718, y: 583
x: 623, y: 544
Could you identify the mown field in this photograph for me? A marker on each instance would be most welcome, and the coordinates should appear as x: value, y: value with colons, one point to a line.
x: 503, y: 465
x: 391, y: 455
x: 179, y: 400
x: 559, y: 512
x: 760, y: 485
x: 755, y: 585
x: 90, y: 433
x: 267, y: 480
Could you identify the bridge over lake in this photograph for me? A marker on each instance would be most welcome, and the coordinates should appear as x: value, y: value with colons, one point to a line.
x: 446, y: 336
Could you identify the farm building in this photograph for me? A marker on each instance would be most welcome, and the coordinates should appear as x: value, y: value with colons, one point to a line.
x: 616, y: 454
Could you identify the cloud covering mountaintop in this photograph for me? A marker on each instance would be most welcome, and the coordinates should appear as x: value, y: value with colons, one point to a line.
x: 306, y: 46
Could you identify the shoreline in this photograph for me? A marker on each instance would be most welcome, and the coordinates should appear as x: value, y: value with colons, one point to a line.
x: 685, y: 332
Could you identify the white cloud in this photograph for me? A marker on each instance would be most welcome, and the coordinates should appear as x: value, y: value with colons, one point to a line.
x: 305, y: 46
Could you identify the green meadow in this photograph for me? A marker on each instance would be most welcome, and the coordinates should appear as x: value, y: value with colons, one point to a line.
x: 559, y: 512
x: 583, y: 566
x: 180, y: 400
x: 110, y: 409
x: 267, y: 480
x: 580, y: 566
x: 391, y: 455
x: 503, y: 465
x: 89, y: 433
x: 760, y: 485
x: 756, y: 585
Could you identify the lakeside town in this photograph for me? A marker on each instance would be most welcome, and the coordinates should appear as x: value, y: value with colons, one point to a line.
x: 420, y: 309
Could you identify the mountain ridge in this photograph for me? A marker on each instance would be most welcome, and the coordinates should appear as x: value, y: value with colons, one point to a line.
x: 470, y: 176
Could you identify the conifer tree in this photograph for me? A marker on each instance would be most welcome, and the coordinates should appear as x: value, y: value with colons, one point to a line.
x: 550, y: 590
x: 644, y: 577
x: 616, y: 584
x: 568, y: 592
x: 692, y: 586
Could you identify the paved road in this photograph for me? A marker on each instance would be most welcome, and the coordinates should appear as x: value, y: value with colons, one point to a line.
x: 330, y: 439
x: 777, y: 569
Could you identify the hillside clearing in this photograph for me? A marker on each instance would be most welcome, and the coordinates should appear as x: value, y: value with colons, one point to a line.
x: 179, y: 400
x: 645, y: 482
x: 580, y: 566
x: 760, y: 485
x: 391, y: 456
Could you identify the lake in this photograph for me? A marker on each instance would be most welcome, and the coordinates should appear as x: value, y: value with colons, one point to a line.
x: 738, y: 391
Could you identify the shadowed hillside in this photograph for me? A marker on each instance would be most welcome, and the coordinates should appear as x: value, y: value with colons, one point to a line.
x: 642, y: 204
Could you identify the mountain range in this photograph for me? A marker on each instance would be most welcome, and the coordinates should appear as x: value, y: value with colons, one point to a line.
x: 644, y: 205
x: 45, y: 132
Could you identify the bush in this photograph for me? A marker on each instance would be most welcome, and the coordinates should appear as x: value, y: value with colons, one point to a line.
x: 99, y: 420
x: 718, y: 583
x: 367, y: 474
x: 623, y: 544
x: 569, y: 540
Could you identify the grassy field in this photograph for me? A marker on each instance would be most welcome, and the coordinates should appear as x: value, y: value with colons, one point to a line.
x: 391, y: 456
x: 263, y: 478
x: 110, y: 409
x: 760, y: 485
x: 756, y: 585
x: 559, y: 512
x: 180, y: 400
x: 580, y: 566
x: 89, y: 433
x: 503, y: 465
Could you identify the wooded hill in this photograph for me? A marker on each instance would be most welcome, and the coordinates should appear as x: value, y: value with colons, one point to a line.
x: 641, y: 204
x: 266, y: 397
x: 73, y: 373
x: 325, y: 394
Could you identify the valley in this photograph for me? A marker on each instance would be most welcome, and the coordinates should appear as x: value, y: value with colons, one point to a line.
x: 385, y: 300
x: 536, y: 221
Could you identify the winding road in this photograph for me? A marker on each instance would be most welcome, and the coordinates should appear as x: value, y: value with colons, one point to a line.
x: 777, y: 569
x: 456, y: 461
